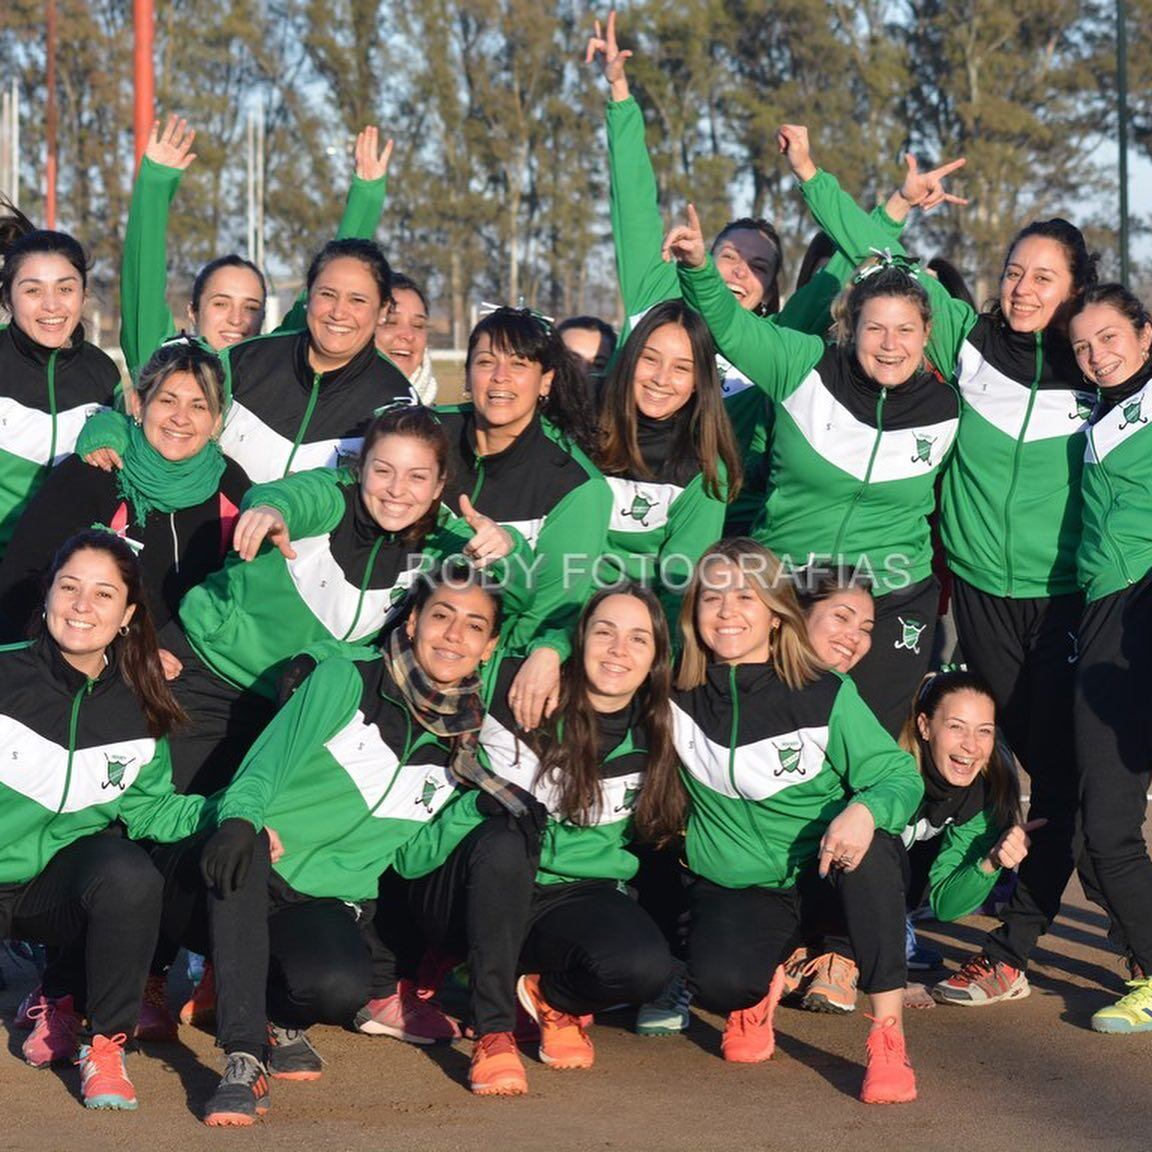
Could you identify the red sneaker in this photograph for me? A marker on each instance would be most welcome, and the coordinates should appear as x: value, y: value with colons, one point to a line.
x: 889, y: 1078
x: 748, y: 1035
x: 982, y: 980
x: 407, y: 1016
x: 496, y: 1067
x: 103, y: 1080
x: 156, y: 1021
x: 564, y: 1044
x: 55, y: 1027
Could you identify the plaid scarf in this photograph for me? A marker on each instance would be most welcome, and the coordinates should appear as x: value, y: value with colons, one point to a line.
x: 455, y: 713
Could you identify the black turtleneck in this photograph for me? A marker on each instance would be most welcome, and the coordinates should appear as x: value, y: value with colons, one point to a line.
x: 1109, y: 398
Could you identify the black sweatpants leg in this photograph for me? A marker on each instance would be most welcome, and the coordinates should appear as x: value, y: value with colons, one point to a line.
x: 103, y: 891
x: 661, y: 885
x: 232, y: 931
x: 902, y: 641
x: 1113, y: 745
x: 594, y: 947
x: 1026, y: 650
x: 478, y: 904
x: 319, y: 969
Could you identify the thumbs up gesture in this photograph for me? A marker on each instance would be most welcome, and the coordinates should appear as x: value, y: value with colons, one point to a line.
x: 489, y: 541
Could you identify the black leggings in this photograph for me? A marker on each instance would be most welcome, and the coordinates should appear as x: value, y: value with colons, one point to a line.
x: 98, y: 901
x: 592, y: 944
x: 1114, y: 748
x: 739, y: 935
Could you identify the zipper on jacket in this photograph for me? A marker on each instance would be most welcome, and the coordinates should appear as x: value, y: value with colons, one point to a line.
x: 72, y: 724
x: 364, y: 586
x: 1016, y: 462
x: 304, y: 422
x: 175, y: 540
x: 52, y: 405
x: 1108, y: 539
x: 836, y: 557
x: 734, y: 730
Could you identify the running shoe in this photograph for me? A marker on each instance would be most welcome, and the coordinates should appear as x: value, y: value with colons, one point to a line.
x: 242, y: 1094
x: 55, y: 1028
x: 1131, y: 1013
x: 889, y: 1078
x: 981, y: 981
x: 200, y: 1008
x: 796, y: 974
x: 831, y: 984
x: 564, y: 1044
x: 668, y: 1013
x: 749, y: 1037
x: 496, y: 1067
x: 23, y: 1022
x: 291, y: 1055
x: 407, y: 1016
x: 156, y: 1021
x: 103, y: 1081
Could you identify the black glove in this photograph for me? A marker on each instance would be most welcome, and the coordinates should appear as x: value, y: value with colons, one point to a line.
x: 226, y: 858
x: 531, y: 823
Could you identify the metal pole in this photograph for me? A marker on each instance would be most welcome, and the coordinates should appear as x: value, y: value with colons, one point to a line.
x: 249, y: 136
x: 50, y: 122
x: 14, y: 187
x: 1122, y: 123
x: 144, y: 111
x: 258, y: 114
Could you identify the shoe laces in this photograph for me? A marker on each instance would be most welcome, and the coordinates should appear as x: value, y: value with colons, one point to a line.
x: 1141, y: 990
x: 242, y: 1068
x: 886, y: 1043
x: 105, y: 1055
x: 495, y: 1044
x: 280, y: 1037
x: 975, y: 969
x: 54, y: 1015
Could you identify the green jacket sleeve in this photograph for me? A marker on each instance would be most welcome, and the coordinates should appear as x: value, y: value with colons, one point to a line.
x: 315, y: 712
x: 878, y: 773
x: 957, y: 884
x: 574, y: 537
x: 105, y: 429
x: 311, y: 502
x: 361, y: 219
x: 145, y: 321
x: 645, y: 278
x: 695, y: 522
x: 439, y: 837
x: 856, y: 233
x: 775, y: 359
x: 152, y: 810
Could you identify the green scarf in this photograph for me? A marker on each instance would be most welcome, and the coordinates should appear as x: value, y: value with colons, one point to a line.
x: 151, y: 483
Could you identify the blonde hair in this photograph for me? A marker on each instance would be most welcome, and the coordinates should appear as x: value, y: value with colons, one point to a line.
x: 789, y: 651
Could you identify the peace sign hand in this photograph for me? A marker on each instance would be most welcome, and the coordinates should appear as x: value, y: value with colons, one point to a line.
x: 612, y: 66
x: 925, y: 190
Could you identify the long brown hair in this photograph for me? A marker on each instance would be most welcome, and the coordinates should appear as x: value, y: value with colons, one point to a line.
x: 568, y: 746
x: 137, y: 652
x: 999, y: 775
x: 790, y: 653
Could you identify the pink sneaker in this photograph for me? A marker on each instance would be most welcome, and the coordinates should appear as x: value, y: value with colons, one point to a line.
x: 406, y: 1016
x: 55, y: 1027
x: 24, y: 1022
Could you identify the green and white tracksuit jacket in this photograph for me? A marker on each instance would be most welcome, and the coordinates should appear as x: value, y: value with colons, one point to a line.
x: 145, y: 320
x: 1010, y: 501
x: 768, y: 767
x: 597, y: 850
x: 76, y: 755
x: 48, y: 394
x: 555, y: 497
x: 957, y: 884
x: 247, y: 619
x: 345, y: 775
x: 853, y: 465
x: 1116, y: 541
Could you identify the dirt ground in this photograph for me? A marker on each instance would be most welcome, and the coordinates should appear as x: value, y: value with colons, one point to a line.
x: 1020, y: 1076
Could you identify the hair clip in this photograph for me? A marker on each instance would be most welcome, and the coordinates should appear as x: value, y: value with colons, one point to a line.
x: 487, y: 308
x: 402, y: 405
x: 137, y: 546
x: 882, y: 260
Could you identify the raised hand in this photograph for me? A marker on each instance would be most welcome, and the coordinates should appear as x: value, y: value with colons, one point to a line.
x: 256, y: 525
x: 793, y: 142
x: 173, y: 146
x: 925, y: 190
x: 1012, y: 847
x: 612, y: 64
x: 490, y: 542
x: 685, y: 242
x: 371, y: 161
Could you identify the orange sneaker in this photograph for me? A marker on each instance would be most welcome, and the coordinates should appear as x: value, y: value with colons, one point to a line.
x: 563, y: 1042
x: 748, y: 1036
x: 200, y: 1008
x: 496, y: 1068
x: 103, y: 1081
x: 889, y: 1078
x: 831, y: 984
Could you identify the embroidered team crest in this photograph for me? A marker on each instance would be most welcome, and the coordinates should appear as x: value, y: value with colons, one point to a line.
x: 428, y: 793
x: 116, y: 766
x: 1132, y: 413
x: 1083, y: 410
x: 628, y: 804
x: 923, y: 448
x: 641, y: 506
x: 789, y: 761
x: 910, y: 635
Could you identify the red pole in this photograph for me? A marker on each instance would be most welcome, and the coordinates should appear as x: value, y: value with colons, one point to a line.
x: 145, y: 110
x: 50, y: 122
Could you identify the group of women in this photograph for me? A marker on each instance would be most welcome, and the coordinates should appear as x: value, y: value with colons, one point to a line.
x: 614, y: 703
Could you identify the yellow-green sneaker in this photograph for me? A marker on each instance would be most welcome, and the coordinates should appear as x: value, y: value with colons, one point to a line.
x: 1131, y: 1013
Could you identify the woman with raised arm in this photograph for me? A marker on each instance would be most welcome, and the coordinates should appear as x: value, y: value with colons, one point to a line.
x: 53, y: 380
x: 790, y: 781
x: 1010, y: 522
x: 520, y: 451
x: 862, y: 430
